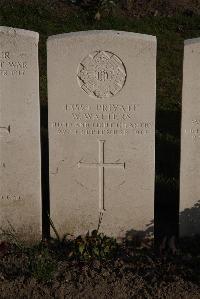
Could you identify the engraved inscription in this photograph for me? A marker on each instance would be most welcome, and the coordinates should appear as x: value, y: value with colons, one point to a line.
x: 4, y: 55
x: 10, y: 197
x: 101, y: 165
x: 12, y: 65
x: 194, y: 129
x: 102, y: 119
x: 101, y: 74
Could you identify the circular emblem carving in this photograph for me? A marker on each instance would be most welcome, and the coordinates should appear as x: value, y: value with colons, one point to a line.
x: 101, y: 74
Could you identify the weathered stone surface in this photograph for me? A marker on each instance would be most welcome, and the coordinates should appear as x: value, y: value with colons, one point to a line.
x: 20, y: 182
x: 190, y: 141
x: 101, y: 131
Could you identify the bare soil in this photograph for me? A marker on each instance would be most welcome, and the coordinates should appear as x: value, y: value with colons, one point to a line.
x: 133, y: 273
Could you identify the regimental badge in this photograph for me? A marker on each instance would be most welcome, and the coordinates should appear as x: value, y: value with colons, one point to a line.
x: 101, y: 74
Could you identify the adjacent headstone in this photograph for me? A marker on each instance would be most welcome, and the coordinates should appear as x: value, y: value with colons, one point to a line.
x: 190, y: 141
x: 20, y: 182
x: 102, y: 94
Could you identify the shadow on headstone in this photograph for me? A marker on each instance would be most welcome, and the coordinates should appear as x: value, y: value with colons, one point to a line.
x: 189, y: 220
x: 139, y: 233
x: 135, y: 238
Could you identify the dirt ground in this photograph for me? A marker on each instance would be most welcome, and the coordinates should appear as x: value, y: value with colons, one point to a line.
x: 133, y: 273
x: 86, y: 282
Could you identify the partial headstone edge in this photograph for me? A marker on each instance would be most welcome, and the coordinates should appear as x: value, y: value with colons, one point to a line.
x: 17, y: 31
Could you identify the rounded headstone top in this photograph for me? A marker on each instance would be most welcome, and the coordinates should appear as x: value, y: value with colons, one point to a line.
x: 124, y: 34
x: 16, y: 31
x: 192, y: 41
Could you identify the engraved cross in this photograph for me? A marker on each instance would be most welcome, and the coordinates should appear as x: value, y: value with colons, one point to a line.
x: 101, y: 165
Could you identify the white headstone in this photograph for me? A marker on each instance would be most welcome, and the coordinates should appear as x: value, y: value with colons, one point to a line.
x: 20, y: 182
x: 190, y: 141
x: 102, y: 94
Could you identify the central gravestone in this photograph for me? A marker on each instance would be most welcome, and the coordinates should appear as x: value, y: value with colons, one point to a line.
x: 101, y: 131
